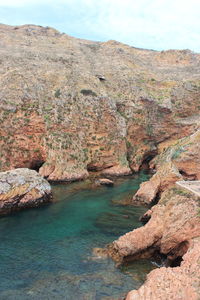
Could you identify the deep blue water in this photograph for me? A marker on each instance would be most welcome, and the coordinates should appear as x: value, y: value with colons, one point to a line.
x: 46, y: 253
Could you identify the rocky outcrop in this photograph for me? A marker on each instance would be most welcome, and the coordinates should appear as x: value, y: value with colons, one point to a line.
x: 163, y: 179
x: 173, y: 283
x: 69, y: 106
x: 58, y: 174
x: 172, y: 229
x: 22, y: 188
x: 173, y: 223
x: 117, y: 171
x: 181, y: 160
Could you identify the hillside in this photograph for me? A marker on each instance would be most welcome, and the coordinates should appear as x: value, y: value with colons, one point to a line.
x: 69, y: 106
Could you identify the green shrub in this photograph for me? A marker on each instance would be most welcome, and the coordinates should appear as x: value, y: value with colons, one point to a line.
x: 57, y: 93
x: 88, y: 93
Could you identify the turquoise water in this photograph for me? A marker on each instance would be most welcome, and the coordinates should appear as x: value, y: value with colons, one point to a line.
x: 46, y: 253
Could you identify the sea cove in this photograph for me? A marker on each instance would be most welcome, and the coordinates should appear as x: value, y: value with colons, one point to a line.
x: 46, y: 253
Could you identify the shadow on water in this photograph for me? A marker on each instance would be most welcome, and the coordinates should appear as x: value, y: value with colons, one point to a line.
x: 46, y: 253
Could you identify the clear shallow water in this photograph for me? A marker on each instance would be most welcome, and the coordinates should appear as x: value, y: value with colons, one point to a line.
x: 46, y: 253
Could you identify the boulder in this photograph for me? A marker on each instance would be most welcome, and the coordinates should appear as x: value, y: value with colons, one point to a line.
x: 117, y: 171
x: 105, y: 181
x: 22, y: 188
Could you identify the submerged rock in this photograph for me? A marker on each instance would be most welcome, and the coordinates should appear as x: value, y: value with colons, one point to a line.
x: 22, y: 188
x: 99, y: 253
x: 105, y: 181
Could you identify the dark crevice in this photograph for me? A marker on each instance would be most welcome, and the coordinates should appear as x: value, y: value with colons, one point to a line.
x: 147, y: 158
x: 174, y: 257
x: 36, y: 164
x: 91, y: 167
x: 145, y: 218
x: 187, y: 176
x: 176, y: 262
x: 156, y: 199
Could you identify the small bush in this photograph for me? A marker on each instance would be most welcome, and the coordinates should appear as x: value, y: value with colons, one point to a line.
x: 88, y: 93
x: 57, y: 93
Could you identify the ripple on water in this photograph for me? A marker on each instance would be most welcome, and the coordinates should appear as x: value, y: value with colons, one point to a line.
x: 46, y: 252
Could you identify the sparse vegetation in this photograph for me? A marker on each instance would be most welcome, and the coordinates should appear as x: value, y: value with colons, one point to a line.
x: 86, y: 92
x: 57, y: 93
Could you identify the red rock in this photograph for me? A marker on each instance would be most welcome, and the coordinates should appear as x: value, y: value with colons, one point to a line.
x: 117, y: 171
x: 173, y: 222
x: 173, y: 283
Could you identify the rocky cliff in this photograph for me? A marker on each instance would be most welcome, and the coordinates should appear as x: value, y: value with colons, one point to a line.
x: 69, y: 106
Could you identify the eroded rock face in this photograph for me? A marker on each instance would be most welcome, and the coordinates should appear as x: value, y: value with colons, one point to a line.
x: 69, y: 106
x: 22, y: 188
x: 117, y: 171
x: 173, y: 283
x: 173, y: 223
x: 180, y: 160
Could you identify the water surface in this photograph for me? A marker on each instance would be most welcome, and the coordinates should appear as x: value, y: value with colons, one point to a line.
x: 46, y: 253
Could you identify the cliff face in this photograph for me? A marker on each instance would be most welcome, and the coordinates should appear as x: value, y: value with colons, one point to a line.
x: 179, y: 161
x: 70, y: 106
x: 173, y: 283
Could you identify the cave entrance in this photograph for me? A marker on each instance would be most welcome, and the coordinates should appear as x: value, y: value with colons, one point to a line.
x: 147, y: 158
x: 36, y: 164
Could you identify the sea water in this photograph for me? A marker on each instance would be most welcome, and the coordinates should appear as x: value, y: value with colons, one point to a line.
x: 46, y: 253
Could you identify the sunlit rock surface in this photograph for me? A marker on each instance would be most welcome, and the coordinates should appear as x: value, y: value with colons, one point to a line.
x: 22, y: 188
x: 69, y: 106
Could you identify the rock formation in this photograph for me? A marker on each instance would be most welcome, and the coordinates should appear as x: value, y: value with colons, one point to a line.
x: 173, y: 283
x: 181, y: 160
x: 172, y: 228
x: 22, y: 188
x: 174, y: 221
x: 71, y: 106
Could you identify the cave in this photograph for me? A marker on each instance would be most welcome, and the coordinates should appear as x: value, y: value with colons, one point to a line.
x: 176, y: 262
x: 36, y: 164
x: 156, y: 199
x: 147, y: 158
x: 174, y: 257
x: 92, y: 167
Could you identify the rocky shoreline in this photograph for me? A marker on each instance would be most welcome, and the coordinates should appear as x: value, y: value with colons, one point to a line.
x: 22, y: 189
x: 61, y: 120
x: 172, y: 228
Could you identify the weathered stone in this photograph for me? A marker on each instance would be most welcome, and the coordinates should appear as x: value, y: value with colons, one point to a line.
x: 181, y: 160
x: 105, y: 181
x: 173, y: 283
x: 173, y: 222
x: 117, y: 171
x: 60, y: 116
x: 22, y: 188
